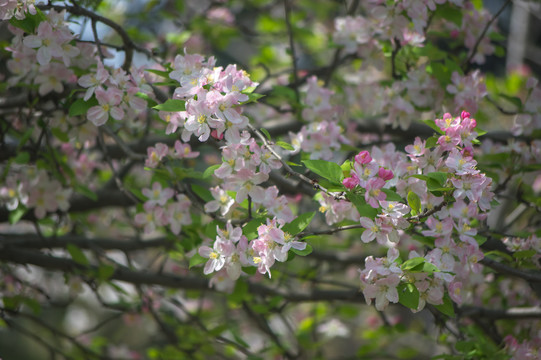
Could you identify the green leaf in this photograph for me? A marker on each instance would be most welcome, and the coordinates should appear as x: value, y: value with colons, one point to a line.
x: 513, y: 100
x: 326, y: 169
x: 60, y: 135
x: 196, y: 259
x: 414, y: 202
x: 306, y: 251
x: 30, y: 23
x: 77, y: 254
x: 291, y: 163
x: 164, y: 74
x: 17, y: 214
x: 210, y: 171
x: 391, y: 195
x: 210, y: 230
x: 284, y: 91
x: 408, y: 295
x: 412, y: 263
x: 83, y: 190
x: 363, y: 208
x: 447, y: 306
x: 431, y: 142
x: 105, y: 272
x: 150, y: 101
x: 250, y: 229
x: 253, y: 97
x: 171, y: 105
x: 202, y: 192
x: 523, y: 254
x: 80, y: 107
x: 240, y: 292
x: 299, y: 224
x: 248, y: 90
x: 22, y: 158
x: 285, y: 145
x: 434, y: 127
x: 264, y: 131
x: 419, y: 264
x: 440, y: 177
x: 480, y: 239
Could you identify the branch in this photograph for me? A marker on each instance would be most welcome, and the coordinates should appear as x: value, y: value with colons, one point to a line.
x: 497, y: 314
x: 287, y: 8
x: 483, y: 33
x: 292, y: 172
x: 78, y: 203
x: 28, y: 257
x: 129, y: 45
x: 33, y: 241
x: 504, y: 269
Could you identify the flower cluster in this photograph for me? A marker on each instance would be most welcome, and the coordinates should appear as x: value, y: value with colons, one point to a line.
x: 455, y: 253
x: 322, y: 137
x: 232, y: 250
x: 159, y: 211
x: 34, y: 189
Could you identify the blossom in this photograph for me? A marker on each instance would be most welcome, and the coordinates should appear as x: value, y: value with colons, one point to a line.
x: 108, y: 101
x: 47, y: 42
x: 216, y: 255
x: 156, y: 154
x: 222, y: 201
x: 383, y: 291
x: 184, y: 151
x: 158, y: 196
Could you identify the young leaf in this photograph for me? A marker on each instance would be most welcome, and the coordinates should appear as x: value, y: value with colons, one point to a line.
x: 264, y: 131
x: 210, y: 171
x: 83, y: 190
x: 80, y: 107
x: 202, y: 192
x: 414, y: 202
x: 306, y: 251
x: 172, y: 105
x: 392, y: 195
x: 447, y: 306
x: 285, y: 145
x: 77, y: 254
x: 363, y: 208
x: 299, y: 224
x: 17, y: 214
x: 250, y: 230
x: 105, y: 272
x: 326, y: 169
x: 408, y: 295
x: 196, y: 259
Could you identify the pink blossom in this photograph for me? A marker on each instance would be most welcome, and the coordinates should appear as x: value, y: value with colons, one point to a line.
x: 157, y: 196
x: 373, y: 192
x: 184, y: 151
x: 222, y: 201
x: 108, y: 106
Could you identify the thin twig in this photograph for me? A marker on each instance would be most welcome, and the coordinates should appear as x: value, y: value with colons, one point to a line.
x: 466, y: 62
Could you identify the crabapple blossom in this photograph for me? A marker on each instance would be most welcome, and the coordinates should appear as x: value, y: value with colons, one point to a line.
x: 157, y: 195
x: 156, y: 154
x: 109, y: 101
x: 222, y: 201
x: 184, y: 151
x: 93, y: 80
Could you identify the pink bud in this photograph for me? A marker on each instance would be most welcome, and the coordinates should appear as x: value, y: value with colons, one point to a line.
x: 465, y: 115
x: 454, y: 34
x: 350, y: 182
x: 467, y: 152
x: 363, y: 157
x: 385, y: 174
x: 215, y: 135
